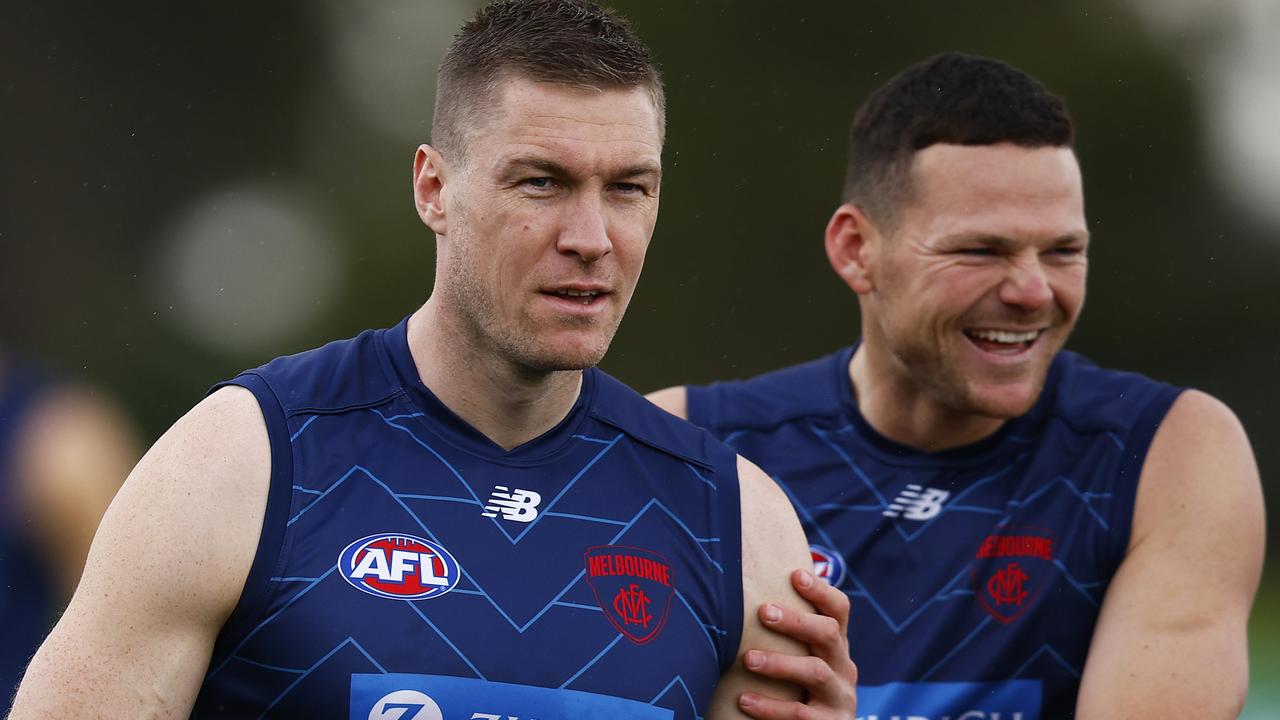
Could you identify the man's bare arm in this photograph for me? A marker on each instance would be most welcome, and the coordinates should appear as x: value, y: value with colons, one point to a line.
x: 1170, y: 641
x: 824, y: 632
x: 773, y: 545
x: 165, y: 570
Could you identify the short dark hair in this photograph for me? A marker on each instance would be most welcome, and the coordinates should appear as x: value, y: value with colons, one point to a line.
x: 567, y: 42
x: 950, y: 98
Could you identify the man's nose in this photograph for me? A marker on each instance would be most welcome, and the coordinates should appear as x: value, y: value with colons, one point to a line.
x: 1026, y: 286
x: 585, y: 232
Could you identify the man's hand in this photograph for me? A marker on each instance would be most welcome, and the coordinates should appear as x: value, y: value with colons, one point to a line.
x: 828, y: 675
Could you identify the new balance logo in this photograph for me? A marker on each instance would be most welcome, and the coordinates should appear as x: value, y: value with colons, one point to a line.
x: 517, y: 505
x: 917, y: 503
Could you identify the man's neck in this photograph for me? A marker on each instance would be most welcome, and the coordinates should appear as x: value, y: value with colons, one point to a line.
x: 508, y: 403
x: 906, y: 413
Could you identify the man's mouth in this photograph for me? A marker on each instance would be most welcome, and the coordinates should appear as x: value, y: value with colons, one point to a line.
x: 578, y: 296
x: 1005, y: 342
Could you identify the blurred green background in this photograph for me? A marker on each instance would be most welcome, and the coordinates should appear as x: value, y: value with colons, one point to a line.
x: 187, y: 189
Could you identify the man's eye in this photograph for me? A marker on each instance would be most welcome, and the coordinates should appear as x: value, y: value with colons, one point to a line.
x: 628, y: 188
x: 977, y: 251
x: 537, y: 183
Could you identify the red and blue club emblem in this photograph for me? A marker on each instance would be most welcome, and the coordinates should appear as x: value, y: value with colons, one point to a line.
x: 397, y: 566
x: 827, y: 564
x: 1010, y: 569
x: 633, y: 586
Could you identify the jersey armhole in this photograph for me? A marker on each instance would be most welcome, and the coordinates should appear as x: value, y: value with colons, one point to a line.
x: 267, y: 557
x: 700, y: 406
x: 729, y: 494
x: 1129, y: 474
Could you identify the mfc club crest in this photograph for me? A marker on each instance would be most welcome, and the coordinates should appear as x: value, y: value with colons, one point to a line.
x: 633, y: 586
x: 1010, y: 570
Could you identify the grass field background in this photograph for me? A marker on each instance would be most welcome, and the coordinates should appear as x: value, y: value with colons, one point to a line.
x: 1264, y: 653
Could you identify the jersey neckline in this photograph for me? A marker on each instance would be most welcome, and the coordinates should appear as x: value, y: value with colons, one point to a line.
x: 447, y: 425
x: 895, y: 452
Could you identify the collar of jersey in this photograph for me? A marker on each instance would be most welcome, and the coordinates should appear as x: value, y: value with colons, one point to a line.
x: 439, y: 420
x: 897, y: 453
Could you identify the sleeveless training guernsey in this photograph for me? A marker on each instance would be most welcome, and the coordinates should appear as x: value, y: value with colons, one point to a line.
x: 975, y: 574
x: 27, y: 592
x: 410, y: 569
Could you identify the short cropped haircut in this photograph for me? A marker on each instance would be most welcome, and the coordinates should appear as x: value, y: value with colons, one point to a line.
x: 951, y: 98
x: 567, y: 42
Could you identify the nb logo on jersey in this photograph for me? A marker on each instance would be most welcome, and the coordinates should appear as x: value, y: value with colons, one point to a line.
x: 917, y: 503
x: 516, y: 505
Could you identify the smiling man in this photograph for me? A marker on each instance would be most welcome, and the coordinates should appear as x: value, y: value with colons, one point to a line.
x: 1020, y: 532
x: 460, y: 517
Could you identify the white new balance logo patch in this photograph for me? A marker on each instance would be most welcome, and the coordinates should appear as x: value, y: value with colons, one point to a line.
x: 518, y: 505
x: 917, y: 503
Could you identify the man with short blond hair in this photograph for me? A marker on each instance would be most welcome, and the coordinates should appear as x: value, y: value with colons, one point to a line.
x: 460, y: 516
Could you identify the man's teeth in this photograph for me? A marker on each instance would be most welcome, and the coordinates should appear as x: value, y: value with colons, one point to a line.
x: 586, y: 295
x: 1002, y: 336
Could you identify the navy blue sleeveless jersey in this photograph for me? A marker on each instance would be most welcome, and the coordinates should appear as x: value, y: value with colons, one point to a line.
x: 975, y: 574
x: 410, y: 569
x: 27, y: 592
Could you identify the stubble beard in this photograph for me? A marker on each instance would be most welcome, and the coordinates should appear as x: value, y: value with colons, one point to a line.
x: 518, y: 342
x: 925, y: 361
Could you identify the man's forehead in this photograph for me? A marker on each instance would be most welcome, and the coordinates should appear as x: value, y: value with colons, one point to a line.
x: 997, y: 189
x: 532, y: 108
x: 1003, y: 168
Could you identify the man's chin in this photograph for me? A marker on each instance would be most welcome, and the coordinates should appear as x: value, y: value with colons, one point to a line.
x: 565, y: 358
x: 1003, y: 401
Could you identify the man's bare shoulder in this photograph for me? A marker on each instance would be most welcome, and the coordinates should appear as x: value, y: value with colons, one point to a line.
x: 1200, y: 453
x: 1187, y: 582
x: 673, y: 399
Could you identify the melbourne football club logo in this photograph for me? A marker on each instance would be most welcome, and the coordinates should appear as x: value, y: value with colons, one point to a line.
x: 827, y: 564
x: 633, y: 586
x: 1010, y: 569
x: 401, y: 567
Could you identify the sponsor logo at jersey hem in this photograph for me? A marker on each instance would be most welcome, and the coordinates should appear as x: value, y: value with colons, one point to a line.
x: 999, y: 700
x: 404, y: 696
x: 633, y: 586
x: 398, y: 566
x: 827, y: 564
x: 1010, y: 569
x: 916, y: 502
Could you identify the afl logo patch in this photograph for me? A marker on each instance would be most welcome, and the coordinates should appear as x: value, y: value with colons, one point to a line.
x: 401, y: 567
x: 827, y: 564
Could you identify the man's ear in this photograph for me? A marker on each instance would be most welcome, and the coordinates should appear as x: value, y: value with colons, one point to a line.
x: 428, y: 189
x: 851, y: 242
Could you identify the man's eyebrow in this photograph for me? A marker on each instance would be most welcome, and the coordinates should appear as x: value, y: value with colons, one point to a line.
x: 552, y: 168
x: 640, y: 169
x: 1001, y: 242
x: 1080, y: 237
x: 534, y: 162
